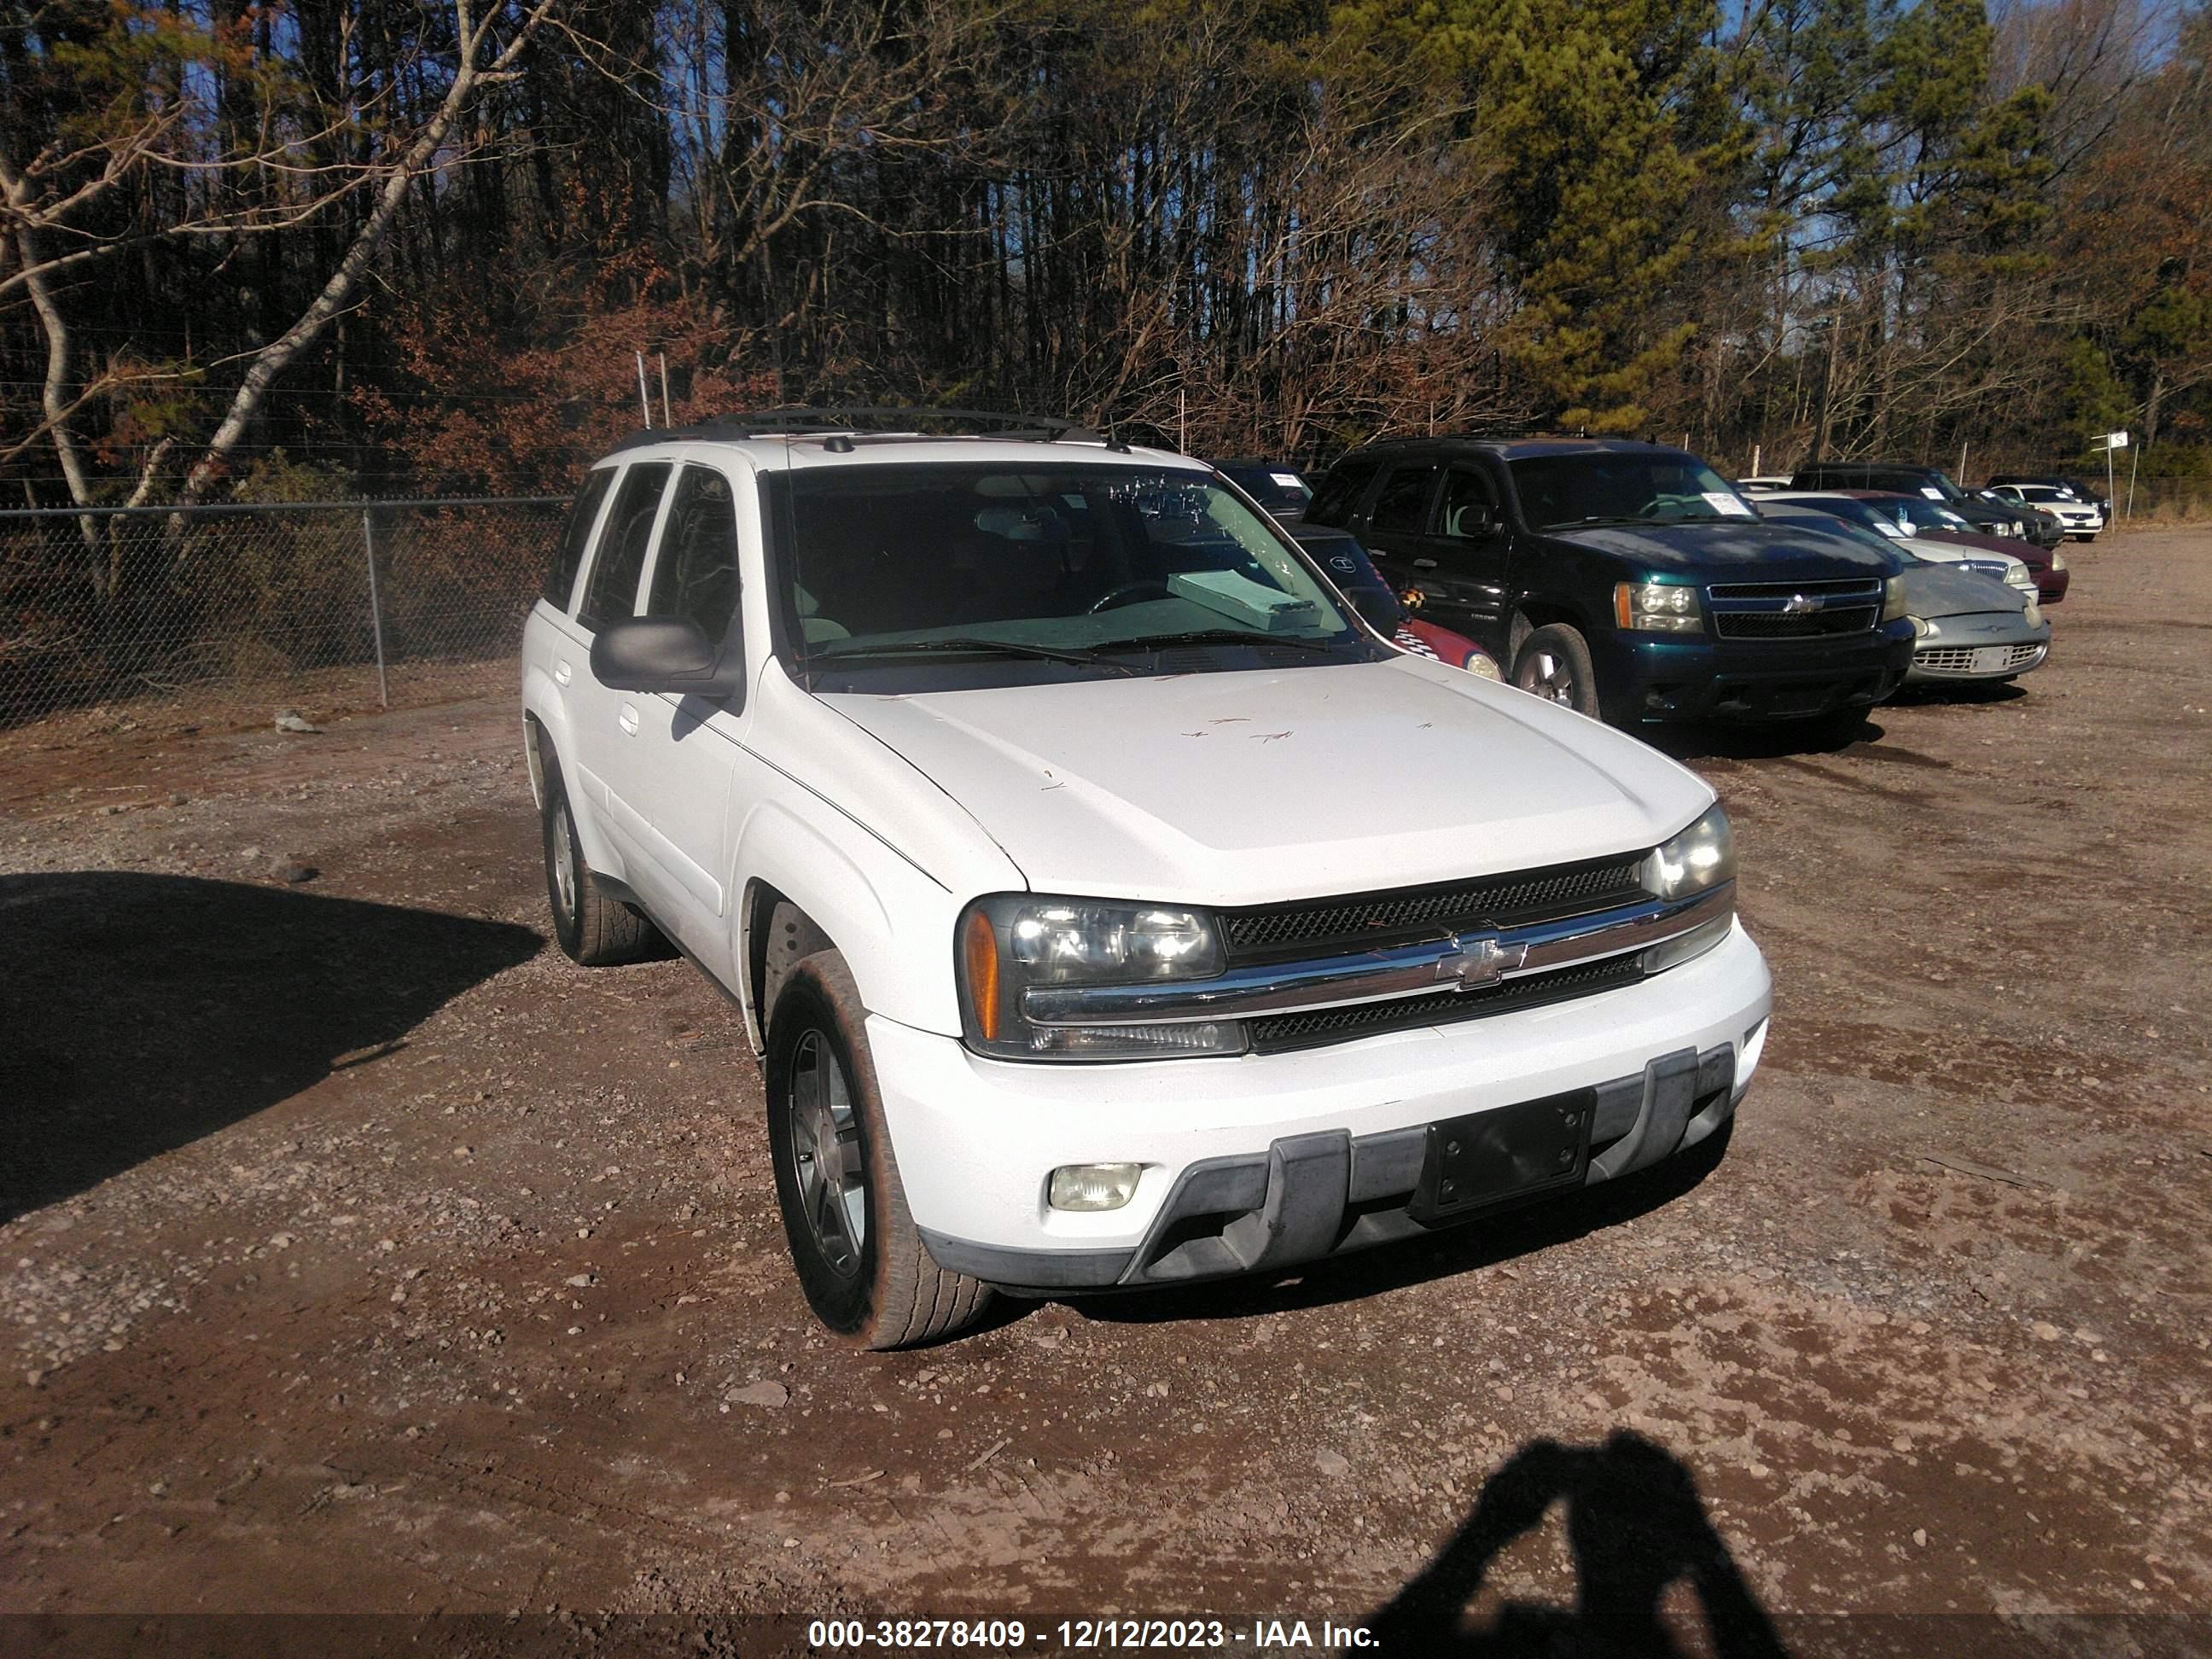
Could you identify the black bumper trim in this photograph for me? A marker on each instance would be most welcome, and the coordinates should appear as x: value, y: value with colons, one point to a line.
x: 1315, y: 1196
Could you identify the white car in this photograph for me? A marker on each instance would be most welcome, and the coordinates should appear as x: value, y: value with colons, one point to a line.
x: 1110, y: 905
x: 2082, y: 519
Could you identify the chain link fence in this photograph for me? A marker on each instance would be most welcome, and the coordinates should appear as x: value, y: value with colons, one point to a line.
x: 228, y: 614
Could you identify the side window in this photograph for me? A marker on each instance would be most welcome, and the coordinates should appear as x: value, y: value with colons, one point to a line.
x: 612, y: 591
x: 1340, y: 491
x: 575, y: 536
x: 1466, y: 510
x: 697, y: 573
x: 1403, y: 505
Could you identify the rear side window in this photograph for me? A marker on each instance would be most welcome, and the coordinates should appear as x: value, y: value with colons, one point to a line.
x: 697, y: 576
x: 1339, y: 492
x: 612, y: 591
x: 569, y: 557
x: 1403, y: 504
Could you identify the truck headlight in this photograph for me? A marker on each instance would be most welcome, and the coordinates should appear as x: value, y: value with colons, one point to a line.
x: 1893, y: 598
x: 1010, y: 942
x: 1658, y: 608
x: 1700, y: 859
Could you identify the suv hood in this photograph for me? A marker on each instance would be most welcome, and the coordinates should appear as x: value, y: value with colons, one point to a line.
x: 1244, y: 788
x: 1728, y: 550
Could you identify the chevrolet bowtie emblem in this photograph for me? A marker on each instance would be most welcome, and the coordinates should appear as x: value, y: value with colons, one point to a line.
x: 1478, y: 959
x: 1798, y: 604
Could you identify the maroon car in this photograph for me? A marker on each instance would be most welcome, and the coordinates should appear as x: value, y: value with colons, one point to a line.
x: 1935, y: 521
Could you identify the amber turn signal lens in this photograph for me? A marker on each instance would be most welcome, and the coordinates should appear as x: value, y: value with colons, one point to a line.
x: 980, y: 945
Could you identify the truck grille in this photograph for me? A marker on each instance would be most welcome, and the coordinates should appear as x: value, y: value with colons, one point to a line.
x: 1361, y: 920
x: 1816, y: 624
x: 1309, y: 1030
x: 1778, y: 610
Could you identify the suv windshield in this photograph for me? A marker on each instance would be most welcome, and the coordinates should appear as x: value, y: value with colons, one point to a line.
x: 1089, y: 569
x: 1605, y: 486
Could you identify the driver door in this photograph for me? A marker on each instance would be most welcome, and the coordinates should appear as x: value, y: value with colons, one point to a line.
x: 1461, y: 568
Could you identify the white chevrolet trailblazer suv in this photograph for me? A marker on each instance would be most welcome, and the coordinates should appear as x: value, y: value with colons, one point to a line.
x: 1111, y: 905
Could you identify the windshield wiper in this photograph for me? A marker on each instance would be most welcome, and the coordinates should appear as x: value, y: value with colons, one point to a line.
x: 1578, y: 524
x: 966, y: 648
x: 1219, y: 636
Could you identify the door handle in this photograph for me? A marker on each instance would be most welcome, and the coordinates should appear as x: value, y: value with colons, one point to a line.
x: 627, y: 720
x: 1424, y: 564
x: 560, y: 672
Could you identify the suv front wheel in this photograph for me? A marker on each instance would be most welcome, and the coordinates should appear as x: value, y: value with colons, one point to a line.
x: 1554, y: 664
x: 861, y: 1260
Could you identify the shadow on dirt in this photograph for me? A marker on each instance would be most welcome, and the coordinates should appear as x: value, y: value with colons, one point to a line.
x: 142, y: 1011
x: 1757, y: 742
x: 1635, y: 1525
x: 1453, y: 1250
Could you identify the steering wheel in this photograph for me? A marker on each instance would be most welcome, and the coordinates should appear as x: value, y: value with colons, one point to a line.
x: 1129, y: 593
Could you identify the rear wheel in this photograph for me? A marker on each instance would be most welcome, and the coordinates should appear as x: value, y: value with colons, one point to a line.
x: 860, y: 1258
x: 1553, y: 662
x: 595, y: 930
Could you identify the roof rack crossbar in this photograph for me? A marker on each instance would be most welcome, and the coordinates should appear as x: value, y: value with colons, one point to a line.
x: 846, y: 417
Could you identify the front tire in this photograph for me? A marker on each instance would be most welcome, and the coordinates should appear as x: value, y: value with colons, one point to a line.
x: 596, y: 931
x: 860, y: 1258
x: 1553, y: 662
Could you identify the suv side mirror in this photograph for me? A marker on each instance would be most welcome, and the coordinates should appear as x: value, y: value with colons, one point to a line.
x: 1377, y: 608
x: 666, y: 653
x: 1474, y: 522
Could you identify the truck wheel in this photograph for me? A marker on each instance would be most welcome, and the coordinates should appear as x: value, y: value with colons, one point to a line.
x: 1554, y: 663
x: 595, y: 930
x: 860, y: 1259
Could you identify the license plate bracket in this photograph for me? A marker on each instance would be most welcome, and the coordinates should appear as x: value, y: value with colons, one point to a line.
x: 1508, y: 1153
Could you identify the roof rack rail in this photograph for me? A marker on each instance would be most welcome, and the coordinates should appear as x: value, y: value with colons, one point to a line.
x: 835, y: 418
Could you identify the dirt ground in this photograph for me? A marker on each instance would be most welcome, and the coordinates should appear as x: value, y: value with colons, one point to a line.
x: 358, y: 1253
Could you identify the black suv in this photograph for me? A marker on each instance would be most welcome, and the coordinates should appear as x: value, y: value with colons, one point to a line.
x: 1626, y: 580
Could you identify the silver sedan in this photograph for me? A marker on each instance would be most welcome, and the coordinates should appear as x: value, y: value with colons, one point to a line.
x: 1971, y: 627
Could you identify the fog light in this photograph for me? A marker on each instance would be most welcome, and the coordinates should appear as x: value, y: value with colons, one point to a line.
x: 1093, y: 1186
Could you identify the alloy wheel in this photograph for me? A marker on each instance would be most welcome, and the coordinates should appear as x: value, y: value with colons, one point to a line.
x: 825, y: 1150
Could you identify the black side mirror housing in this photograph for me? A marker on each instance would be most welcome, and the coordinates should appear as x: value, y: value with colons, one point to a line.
x: 1378, y: 607
x: 667, y: 653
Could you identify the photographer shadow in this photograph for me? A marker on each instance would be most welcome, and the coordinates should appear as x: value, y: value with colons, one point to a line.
x: 1635, y: 1525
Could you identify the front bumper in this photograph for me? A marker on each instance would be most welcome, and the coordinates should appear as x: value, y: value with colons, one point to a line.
x: 1256, y: 1162
x: 2050, y: 585
x: 1649, y: 677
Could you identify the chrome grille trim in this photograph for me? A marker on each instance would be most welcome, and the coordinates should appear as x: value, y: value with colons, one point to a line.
x: 1385, y: 974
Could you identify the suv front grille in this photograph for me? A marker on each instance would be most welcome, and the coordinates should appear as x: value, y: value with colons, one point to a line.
x: 1813, y: 624
x: 1780, y: 592
x: 1307, y: 1030
x: 1361, y: 920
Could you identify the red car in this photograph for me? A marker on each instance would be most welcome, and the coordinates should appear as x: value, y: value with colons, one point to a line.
x: 1937, y: 522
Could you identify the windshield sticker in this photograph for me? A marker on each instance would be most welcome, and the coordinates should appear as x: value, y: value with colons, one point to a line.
x: 1288, y: 480
x: 1932, y: 492
x: 1722, y: 503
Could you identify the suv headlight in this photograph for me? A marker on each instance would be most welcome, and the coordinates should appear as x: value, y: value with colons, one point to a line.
x: 1009, y: 942
x: 1658, y: 608
x: 1893, y: 598
x: 1700, y: 859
